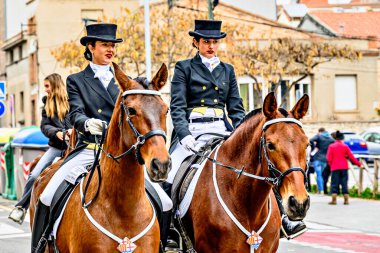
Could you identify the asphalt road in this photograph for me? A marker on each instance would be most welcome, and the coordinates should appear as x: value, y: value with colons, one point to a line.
x: 349, y: 229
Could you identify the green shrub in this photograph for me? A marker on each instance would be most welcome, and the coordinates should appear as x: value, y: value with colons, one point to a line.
x: 353, y: 192
x: 366, y: 194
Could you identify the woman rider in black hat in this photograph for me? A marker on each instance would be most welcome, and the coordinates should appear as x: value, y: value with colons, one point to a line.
x: 92, y: 96
x: 202, y: 90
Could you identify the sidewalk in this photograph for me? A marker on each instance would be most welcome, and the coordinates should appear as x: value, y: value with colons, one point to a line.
x: 360, y: 215
x: 353, y: 228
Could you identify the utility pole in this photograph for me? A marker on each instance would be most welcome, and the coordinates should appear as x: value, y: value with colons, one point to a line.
x: 147, y: 40
x: 210, y: 9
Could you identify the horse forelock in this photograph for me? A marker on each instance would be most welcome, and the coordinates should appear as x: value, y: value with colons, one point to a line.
x: 143, y: 81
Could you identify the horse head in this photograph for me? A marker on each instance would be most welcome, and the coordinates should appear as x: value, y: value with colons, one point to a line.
x: 284, y: 145
x: 142, y: 121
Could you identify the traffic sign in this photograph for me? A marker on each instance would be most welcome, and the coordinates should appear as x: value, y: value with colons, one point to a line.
x: 3, y: 92
x: 2, y: 109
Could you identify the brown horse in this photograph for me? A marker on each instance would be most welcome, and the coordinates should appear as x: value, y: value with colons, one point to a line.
x: 265, y: 157
x: 122, y: 207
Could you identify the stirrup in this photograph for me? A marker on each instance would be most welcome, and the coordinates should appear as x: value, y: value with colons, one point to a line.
x: 172, y: 247
x: 289, y: 237
x: 21, y: 219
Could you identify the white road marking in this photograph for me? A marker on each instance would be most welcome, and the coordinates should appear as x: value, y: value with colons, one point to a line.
x: 6, y: 229
x: 324, y: 248
x: 15, y: 235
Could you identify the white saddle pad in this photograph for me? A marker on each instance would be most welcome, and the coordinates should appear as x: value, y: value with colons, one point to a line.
x: 185, y: 203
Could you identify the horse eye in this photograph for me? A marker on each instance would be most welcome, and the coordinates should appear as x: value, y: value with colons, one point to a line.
x: 271, y: 146
x: 167, y: 111
x: 131, y: 111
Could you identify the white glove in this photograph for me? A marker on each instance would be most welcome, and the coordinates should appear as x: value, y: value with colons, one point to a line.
x: 94, y: 126
x: 189, y: 143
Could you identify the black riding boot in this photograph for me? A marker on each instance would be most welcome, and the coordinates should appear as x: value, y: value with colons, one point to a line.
x: 289, y: 229
x: 165, y: 226
x: 171, y: 239
x: 41, y: 222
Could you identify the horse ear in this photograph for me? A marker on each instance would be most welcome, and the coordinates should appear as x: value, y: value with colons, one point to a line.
x: 301, y: 107
x: 270, y: 106
x: 121, y: 78
x: 159, y: 80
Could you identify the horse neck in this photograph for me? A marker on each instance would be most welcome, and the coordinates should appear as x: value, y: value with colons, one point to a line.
x: 242, y: 149
x: 122, y: 181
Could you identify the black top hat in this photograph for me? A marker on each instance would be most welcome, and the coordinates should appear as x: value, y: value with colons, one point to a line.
x: 208, y: 29
x: 339, y: 135
x: 102, y: 32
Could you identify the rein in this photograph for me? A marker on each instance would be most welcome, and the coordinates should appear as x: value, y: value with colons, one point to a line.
x: 140, y: 140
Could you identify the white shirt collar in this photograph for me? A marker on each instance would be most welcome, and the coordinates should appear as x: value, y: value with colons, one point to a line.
x: 210, y: 63
x: 102, y: 72
x: 101, y: 68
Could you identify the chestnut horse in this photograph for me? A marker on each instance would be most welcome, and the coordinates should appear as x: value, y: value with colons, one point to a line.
x: 122, y: 207
x: 267, y: 151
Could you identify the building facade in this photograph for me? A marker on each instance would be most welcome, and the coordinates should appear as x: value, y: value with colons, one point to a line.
x: 29, y: 60
x: 29, y: 41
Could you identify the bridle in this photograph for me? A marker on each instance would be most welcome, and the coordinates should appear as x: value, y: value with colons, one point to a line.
x: 140, y: 140
x: 276, y: 176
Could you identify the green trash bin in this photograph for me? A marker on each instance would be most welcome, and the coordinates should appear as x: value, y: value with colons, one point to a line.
x: 9, y: 191
x: 27, y: 145
x: 5, y: 136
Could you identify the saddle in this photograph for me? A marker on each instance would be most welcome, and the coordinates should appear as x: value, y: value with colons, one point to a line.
x: 187, y: 170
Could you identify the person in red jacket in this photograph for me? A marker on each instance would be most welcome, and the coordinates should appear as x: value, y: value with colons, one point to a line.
x: 337, y: 155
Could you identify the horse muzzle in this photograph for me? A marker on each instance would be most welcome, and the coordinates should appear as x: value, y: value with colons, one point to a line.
x: 297, y: 209
x: 159, y: 170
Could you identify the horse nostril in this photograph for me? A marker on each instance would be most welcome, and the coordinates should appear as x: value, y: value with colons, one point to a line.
x: 155, y: 165
x: 292, y: 201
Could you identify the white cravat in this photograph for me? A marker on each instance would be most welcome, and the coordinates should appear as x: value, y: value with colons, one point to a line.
x: 210, y: 63
x: 103, y: 73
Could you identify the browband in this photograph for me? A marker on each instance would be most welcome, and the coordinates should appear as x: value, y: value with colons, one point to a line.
x: 141, y: 92
x: 274, y: 121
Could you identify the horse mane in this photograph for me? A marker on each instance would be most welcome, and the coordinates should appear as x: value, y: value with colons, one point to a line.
x: 257, y: 111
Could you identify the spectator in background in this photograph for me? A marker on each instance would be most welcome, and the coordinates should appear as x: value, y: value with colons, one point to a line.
x: 55, y: 124
x: 319, y: 144
x: 337, y: 155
